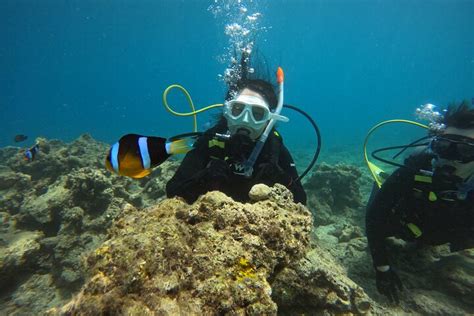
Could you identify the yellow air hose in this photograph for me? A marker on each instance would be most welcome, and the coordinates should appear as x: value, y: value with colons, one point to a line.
x: 374, y: 169
x: 193, y: 112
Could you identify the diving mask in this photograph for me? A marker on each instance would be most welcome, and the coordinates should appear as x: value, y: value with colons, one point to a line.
x: 247, y: 115
x: 453, y: 147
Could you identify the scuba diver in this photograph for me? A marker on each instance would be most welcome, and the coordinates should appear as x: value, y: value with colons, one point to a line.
x: 429, y: 199
x: 242, y: 149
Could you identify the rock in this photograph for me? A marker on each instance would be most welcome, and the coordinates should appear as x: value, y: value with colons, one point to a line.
x: 37, y: 293
x: 20, y: 254
x: 325, y: 235
x: 350, y: 232
x: 90, y: 189
x: 259, y: 192
x: 456, y: 275
x: 41, y: 212
x: 62, y: 204
x: 215, y: 256
x: 9, y: 179
x: 317, y: 285
x: 434, y: 303
x: 334, y: 190
x: 70, y: 199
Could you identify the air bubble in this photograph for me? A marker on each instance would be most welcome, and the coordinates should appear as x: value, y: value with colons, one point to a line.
x: 241, y: 24
x: 429, y: 113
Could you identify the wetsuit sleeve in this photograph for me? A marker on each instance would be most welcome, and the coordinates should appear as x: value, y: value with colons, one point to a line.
x: 188, y: 181
x: 287, y: 164
x: 379, y: 220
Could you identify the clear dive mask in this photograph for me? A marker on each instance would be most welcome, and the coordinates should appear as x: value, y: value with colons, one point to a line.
x: 247, y: 113
x: 257, y: 125
x: 453, y: 147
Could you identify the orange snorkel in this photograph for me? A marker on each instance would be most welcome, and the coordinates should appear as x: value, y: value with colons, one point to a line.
x: 280, y: 75
x: 275, y: 116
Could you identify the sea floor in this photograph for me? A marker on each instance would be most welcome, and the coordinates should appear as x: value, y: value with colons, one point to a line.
x: 56, y: 211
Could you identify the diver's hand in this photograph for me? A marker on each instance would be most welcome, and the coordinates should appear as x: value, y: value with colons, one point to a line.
x: 388, y: 283
x: 217, y: 170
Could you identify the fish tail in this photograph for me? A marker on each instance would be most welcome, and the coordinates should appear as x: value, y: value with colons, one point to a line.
x: 180, y: 146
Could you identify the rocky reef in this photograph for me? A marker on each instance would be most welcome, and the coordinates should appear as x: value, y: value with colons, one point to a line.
x: 53, y: 211
x: 76, y: 239
x: 337, y: 190
x: 216, y: 256
x: 435, y: 281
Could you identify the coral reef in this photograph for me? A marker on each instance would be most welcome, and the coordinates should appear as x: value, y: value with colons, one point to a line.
x: 334, y: 191
x: 436, y: 281
x: 319, y: 285
x: 56, y: 209
x: 68, y: 226
x: 337, y: 186
x: 214, y: 256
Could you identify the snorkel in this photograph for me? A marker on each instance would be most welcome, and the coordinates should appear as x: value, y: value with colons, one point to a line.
x: 275, y: 116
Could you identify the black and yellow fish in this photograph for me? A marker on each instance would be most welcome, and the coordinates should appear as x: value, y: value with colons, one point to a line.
x: 135, y: 155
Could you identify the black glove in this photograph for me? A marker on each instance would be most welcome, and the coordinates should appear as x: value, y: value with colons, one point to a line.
x: 389, y: 284
x: 217, y: 170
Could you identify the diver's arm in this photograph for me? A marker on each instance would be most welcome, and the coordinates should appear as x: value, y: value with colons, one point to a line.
x: 188, y: 181
x: 379, y: 219
x: 287, y: 164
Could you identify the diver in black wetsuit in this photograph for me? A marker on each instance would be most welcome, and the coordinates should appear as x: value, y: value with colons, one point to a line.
x: 218, y: 158
x: 430, y: 200
x: 210, y: 167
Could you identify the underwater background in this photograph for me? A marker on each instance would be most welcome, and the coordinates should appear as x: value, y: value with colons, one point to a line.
x: 100, y: 67
x: 77, y: 75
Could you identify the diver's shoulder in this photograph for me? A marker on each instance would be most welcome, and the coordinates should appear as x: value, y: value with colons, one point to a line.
x: 219, y: 127
x: 420, y: 160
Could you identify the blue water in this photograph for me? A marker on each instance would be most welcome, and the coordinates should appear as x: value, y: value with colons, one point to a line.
x: 69, y: 67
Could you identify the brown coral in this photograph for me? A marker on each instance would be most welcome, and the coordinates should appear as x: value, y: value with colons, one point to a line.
x: 214, y: 256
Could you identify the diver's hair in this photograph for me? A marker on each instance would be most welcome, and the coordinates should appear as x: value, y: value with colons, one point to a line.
x: 459, y: 115
x: 258, y: 80
x: 265, y: 89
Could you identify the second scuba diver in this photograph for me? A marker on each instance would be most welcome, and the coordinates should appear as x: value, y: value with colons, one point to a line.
x: 219, y: 159
x: 429, y: 200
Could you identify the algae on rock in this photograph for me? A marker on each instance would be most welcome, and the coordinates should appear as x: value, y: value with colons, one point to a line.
x: 66, y: 200
x: 214, y: 256
x: 334, y: 190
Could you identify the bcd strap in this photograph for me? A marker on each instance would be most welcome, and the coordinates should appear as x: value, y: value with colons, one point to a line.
x: 217, y: 148
x: 216, y: 143
x: 415, y: 230
x: 276, y: 143
x: 422, y: 188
